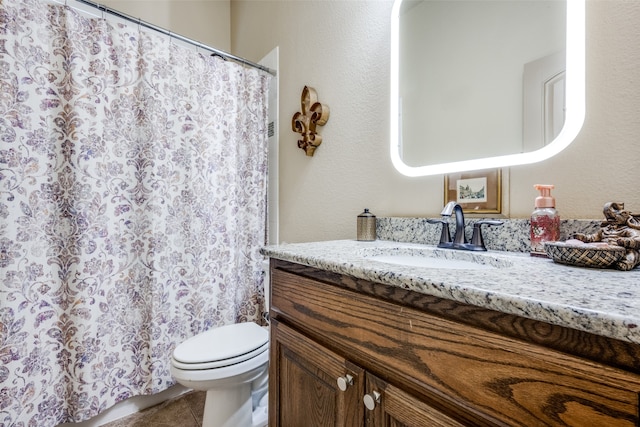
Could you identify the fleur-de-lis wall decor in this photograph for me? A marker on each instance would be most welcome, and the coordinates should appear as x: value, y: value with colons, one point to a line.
x: 313, y: 114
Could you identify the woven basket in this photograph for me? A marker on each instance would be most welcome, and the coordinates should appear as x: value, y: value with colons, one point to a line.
x: 583, y: 255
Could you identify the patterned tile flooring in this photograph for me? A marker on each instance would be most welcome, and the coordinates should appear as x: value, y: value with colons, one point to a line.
x: 183, y: 411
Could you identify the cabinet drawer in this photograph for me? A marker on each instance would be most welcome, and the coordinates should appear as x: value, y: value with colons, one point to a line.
x: 483, y: 377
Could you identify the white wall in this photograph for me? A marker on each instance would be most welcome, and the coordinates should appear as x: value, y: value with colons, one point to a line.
x: 206, y: 21
x: 341, y: 48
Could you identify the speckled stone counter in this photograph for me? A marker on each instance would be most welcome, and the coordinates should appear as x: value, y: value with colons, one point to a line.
x: 603, y: 302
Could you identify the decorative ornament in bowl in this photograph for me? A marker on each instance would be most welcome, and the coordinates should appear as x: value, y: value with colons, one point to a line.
x: 616, y: 244
x: 580, y: 254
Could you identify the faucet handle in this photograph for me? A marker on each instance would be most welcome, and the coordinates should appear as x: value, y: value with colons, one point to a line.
x: 445, y: 237
x: 476, y: 238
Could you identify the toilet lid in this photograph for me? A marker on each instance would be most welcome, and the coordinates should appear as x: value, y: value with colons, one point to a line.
x: 225, y: 342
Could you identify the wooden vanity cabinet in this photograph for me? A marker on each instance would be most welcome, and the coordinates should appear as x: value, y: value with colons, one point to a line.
x: 349, y: 352
x: 308, y: 391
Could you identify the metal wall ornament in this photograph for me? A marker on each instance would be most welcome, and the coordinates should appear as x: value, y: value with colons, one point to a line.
x: 313, y: 114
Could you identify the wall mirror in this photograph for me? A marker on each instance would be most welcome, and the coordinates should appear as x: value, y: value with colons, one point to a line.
x: 479, y: 84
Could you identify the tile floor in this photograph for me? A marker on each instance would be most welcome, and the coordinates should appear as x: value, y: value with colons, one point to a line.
x: 184, y: 411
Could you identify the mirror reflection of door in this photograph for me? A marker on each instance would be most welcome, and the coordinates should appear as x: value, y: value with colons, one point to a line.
x: 544, y: 100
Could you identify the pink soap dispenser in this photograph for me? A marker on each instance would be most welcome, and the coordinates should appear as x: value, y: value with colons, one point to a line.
x: 545, y: 221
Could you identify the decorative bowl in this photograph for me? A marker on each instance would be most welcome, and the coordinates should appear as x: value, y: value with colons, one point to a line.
x: 584, y: 255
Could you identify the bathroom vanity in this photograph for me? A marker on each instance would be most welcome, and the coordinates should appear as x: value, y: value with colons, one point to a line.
x: 356, y: 341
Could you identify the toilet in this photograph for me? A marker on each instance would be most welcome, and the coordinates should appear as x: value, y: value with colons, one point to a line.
x: 230, y: 363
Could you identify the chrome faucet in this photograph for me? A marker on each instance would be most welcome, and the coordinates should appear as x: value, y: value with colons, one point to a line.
x: 459, y: 238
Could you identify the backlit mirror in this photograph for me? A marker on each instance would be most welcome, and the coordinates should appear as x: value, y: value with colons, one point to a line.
x: 479, y: 84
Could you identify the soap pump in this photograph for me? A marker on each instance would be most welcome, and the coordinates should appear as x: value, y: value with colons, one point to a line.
x: 545, y: 221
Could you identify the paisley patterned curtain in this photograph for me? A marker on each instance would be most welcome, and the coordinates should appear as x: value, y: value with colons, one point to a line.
x: 132, y: 207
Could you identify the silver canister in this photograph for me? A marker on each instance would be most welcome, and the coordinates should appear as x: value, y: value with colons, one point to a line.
x: 366, y: 229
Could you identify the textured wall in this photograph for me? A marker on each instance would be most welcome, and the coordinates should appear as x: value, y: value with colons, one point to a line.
x: 342, y: 48
x: 604, y: 162
x: 206, y: 21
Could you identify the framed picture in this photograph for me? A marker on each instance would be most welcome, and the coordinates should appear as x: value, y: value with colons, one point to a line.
x: 476, y: 192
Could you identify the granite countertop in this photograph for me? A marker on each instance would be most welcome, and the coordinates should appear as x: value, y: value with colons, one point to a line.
x: 602, y: 302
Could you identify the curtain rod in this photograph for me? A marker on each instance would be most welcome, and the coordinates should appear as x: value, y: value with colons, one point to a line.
x: 150, y: 26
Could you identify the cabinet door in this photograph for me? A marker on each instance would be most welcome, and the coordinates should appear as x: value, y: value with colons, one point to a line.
x: 389, y: 406
x: 309, y: 385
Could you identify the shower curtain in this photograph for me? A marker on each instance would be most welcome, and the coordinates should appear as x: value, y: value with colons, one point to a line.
x: 132, y: 207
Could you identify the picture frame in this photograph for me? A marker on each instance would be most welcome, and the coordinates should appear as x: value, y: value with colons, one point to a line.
x: 477, y: 192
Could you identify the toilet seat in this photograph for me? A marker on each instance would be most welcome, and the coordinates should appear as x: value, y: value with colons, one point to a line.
x: 219, y: 347
x: 220, y: 363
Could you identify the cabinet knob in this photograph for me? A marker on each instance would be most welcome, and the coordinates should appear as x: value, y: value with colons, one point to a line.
x: 371, y: 399
x: 345, y: 382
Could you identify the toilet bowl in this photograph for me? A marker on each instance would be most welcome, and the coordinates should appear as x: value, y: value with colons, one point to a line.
x: 230, y: 363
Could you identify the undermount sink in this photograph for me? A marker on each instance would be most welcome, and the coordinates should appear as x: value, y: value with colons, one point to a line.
x: 429, y: 262
x: 435, y: 258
